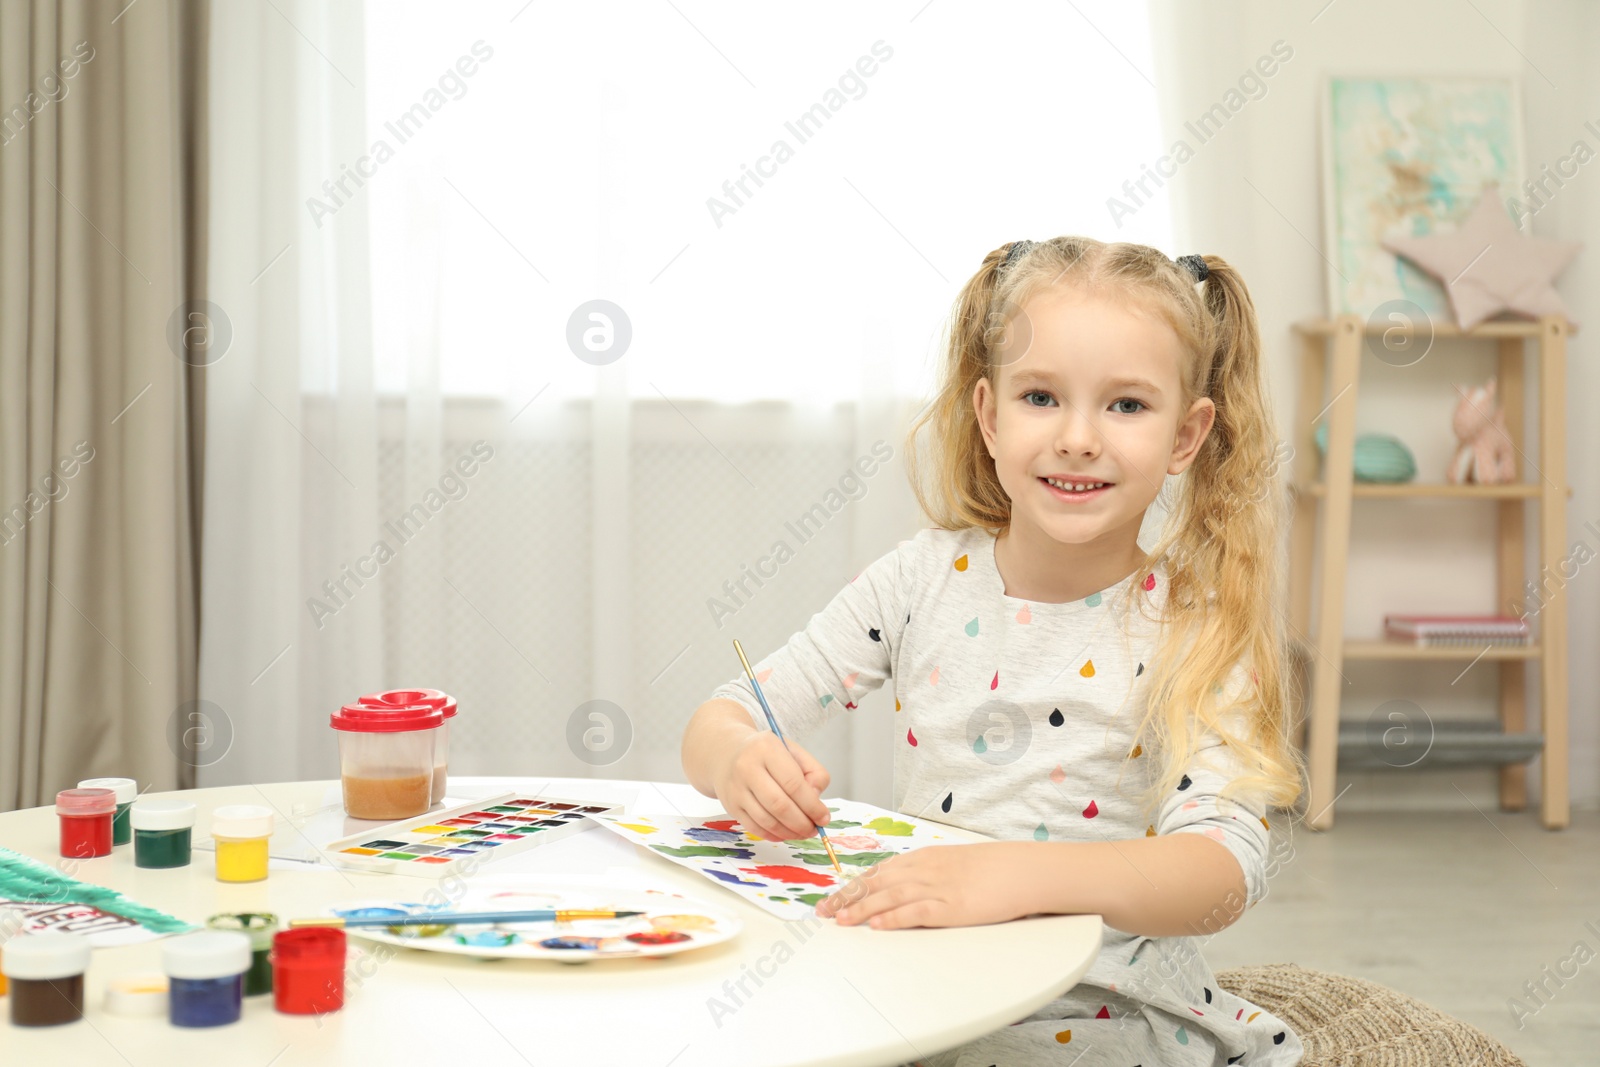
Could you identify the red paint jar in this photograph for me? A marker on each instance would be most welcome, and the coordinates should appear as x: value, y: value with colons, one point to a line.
x: 308, y: 970
x: 86, y: 817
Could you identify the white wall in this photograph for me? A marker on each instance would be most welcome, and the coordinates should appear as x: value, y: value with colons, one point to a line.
x: 1253, y: 195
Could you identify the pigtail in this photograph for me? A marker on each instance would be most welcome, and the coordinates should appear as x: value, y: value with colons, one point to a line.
x: 958, y: 487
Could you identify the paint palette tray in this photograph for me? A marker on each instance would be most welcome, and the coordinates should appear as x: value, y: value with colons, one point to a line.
x: 671, y: 924
x: 466, y: 836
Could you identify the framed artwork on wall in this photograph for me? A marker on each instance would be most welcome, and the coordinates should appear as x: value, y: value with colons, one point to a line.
x: 1407, y: 157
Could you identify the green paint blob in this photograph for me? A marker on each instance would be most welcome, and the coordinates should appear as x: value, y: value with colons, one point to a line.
x: 698, y: 850
x: 980, y: 746
x: 854, y: 859
x: 811, y: 899
x: 1041, y: 834
x: 1093, y: 600
x: 1183, y: 1036
x: 972, y: 628
x: 884, y: 826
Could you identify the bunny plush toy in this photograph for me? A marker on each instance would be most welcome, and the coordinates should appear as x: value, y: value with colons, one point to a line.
x: 1485, y: 455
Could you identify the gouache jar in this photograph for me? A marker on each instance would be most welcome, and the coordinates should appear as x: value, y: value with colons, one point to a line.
x: 308, y: 970
x: 241, y: 832
x: 386, y: 759
x: 161, y: 832
x: 45, y: 971
x: 205, y: 973
x: 127, y: 790
x: 258, y: 926
x: 138, y: 995
x: 433, y: 698
x: 86, y: 817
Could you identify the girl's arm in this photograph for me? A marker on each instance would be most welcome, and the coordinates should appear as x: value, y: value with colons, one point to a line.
x: 1180, y: 885
x: 1202, y: 866
x: 717, y: 728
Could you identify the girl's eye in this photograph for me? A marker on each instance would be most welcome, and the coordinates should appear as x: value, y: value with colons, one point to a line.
x: 1035, y: 392
x: 1128, y: 400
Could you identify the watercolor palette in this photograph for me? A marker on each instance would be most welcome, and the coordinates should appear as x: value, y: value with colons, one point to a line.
x: 671, y: 923
x: 786, y: 878
x: 466, y: 836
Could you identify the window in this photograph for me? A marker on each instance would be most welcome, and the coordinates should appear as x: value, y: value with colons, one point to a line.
x: 774, y: 196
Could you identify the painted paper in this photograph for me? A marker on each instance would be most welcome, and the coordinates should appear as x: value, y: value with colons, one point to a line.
x: 787, y: 878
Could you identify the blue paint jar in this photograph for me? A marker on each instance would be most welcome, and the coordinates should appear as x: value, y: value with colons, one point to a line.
x: 205, y: 973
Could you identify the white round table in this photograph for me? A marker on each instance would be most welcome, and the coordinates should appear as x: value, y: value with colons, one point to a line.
x: 814, y: 994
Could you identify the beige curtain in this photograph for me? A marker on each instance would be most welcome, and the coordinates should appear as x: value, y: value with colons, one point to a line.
x: 101, y: 234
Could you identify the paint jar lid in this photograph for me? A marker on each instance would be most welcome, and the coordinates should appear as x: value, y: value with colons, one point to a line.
x: 49, y: 954
x: 309, y: 946
x: 163, y: 813
x: 137, y: 994
x: 258, y: 926
x: 126, y: 789
x: 207, y: 954
x: 363, y: 718
x: 433, y: 698
x: 242, y: 820
x: 86, y: 802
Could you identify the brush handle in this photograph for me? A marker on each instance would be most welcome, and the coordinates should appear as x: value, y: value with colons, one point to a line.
x: 773, y: 722
x: 450, y: 918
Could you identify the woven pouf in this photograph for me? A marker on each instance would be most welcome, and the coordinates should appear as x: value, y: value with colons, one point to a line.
x: 1351, y: 1022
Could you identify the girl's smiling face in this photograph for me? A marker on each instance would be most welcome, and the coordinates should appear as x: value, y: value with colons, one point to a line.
x: 1086, y: 391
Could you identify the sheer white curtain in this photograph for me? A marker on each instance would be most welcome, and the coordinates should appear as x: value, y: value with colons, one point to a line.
x: 478, y: 486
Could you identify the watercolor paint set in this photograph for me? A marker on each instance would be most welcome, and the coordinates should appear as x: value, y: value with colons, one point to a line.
x: 444, y: 842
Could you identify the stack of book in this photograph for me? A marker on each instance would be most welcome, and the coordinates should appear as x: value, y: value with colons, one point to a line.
x: 1431, y: 630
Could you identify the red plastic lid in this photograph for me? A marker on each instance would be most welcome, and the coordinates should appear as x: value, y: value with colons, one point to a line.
x: 363, y: 718
x: 86, y: 802
x: 309, y: 946
x: 433, y: 698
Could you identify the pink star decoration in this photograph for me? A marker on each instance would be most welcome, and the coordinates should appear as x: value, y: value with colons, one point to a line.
x: 1486, y: 266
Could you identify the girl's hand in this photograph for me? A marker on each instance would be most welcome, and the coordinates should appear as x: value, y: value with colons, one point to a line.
x: 940, y: 885
x: 773, y: 791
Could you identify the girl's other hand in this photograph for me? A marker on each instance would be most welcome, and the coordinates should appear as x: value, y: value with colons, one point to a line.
x: 938, y: 885
x: 774, y: 792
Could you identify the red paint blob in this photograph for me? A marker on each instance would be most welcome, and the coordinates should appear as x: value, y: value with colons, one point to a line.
x: 996, y: 683
x: 725, y: 825
x: 1091, y: 811
x: 912, y: 738
x: 658, y: 937
x: 782, y: 873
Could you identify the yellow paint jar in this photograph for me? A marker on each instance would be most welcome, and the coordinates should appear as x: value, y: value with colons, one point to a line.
x: 241, y: 832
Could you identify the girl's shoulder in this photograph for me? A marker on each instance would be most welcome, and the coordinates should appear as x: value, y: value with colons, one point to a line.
x: 933, y: 550
x: 924, y: 563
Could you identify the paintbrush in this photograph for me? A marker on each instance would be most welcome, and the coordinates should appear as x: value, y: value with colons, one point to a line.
x: 772, y: 722
x: 450, y: 918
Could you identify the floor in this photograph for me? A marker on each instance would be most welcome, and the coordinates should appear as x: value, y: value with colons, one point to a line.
x: 1457, y: 910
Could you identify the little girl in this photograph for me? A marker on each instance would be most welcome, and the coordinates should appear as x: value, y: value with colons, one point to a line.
x: 1115, y: 717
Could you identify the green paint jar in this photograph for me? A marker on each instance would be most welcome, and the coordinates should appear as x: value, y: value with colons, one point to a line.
x: 161, y: 832
x: 127, y: 790
x: 260, y: 927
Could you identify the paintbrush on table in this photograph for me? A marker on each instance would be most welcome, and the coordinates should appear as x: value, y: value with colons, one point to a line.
x: 772, y: 722
x: 450, y: 918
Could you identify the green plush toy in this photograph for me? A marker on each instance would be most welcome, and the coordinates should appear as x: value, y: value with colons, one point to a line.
x: 1379, y: 457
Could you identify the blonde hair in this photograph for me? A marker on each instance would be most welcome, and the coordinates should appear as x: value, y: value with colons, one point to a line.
x: 1225, y: 521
